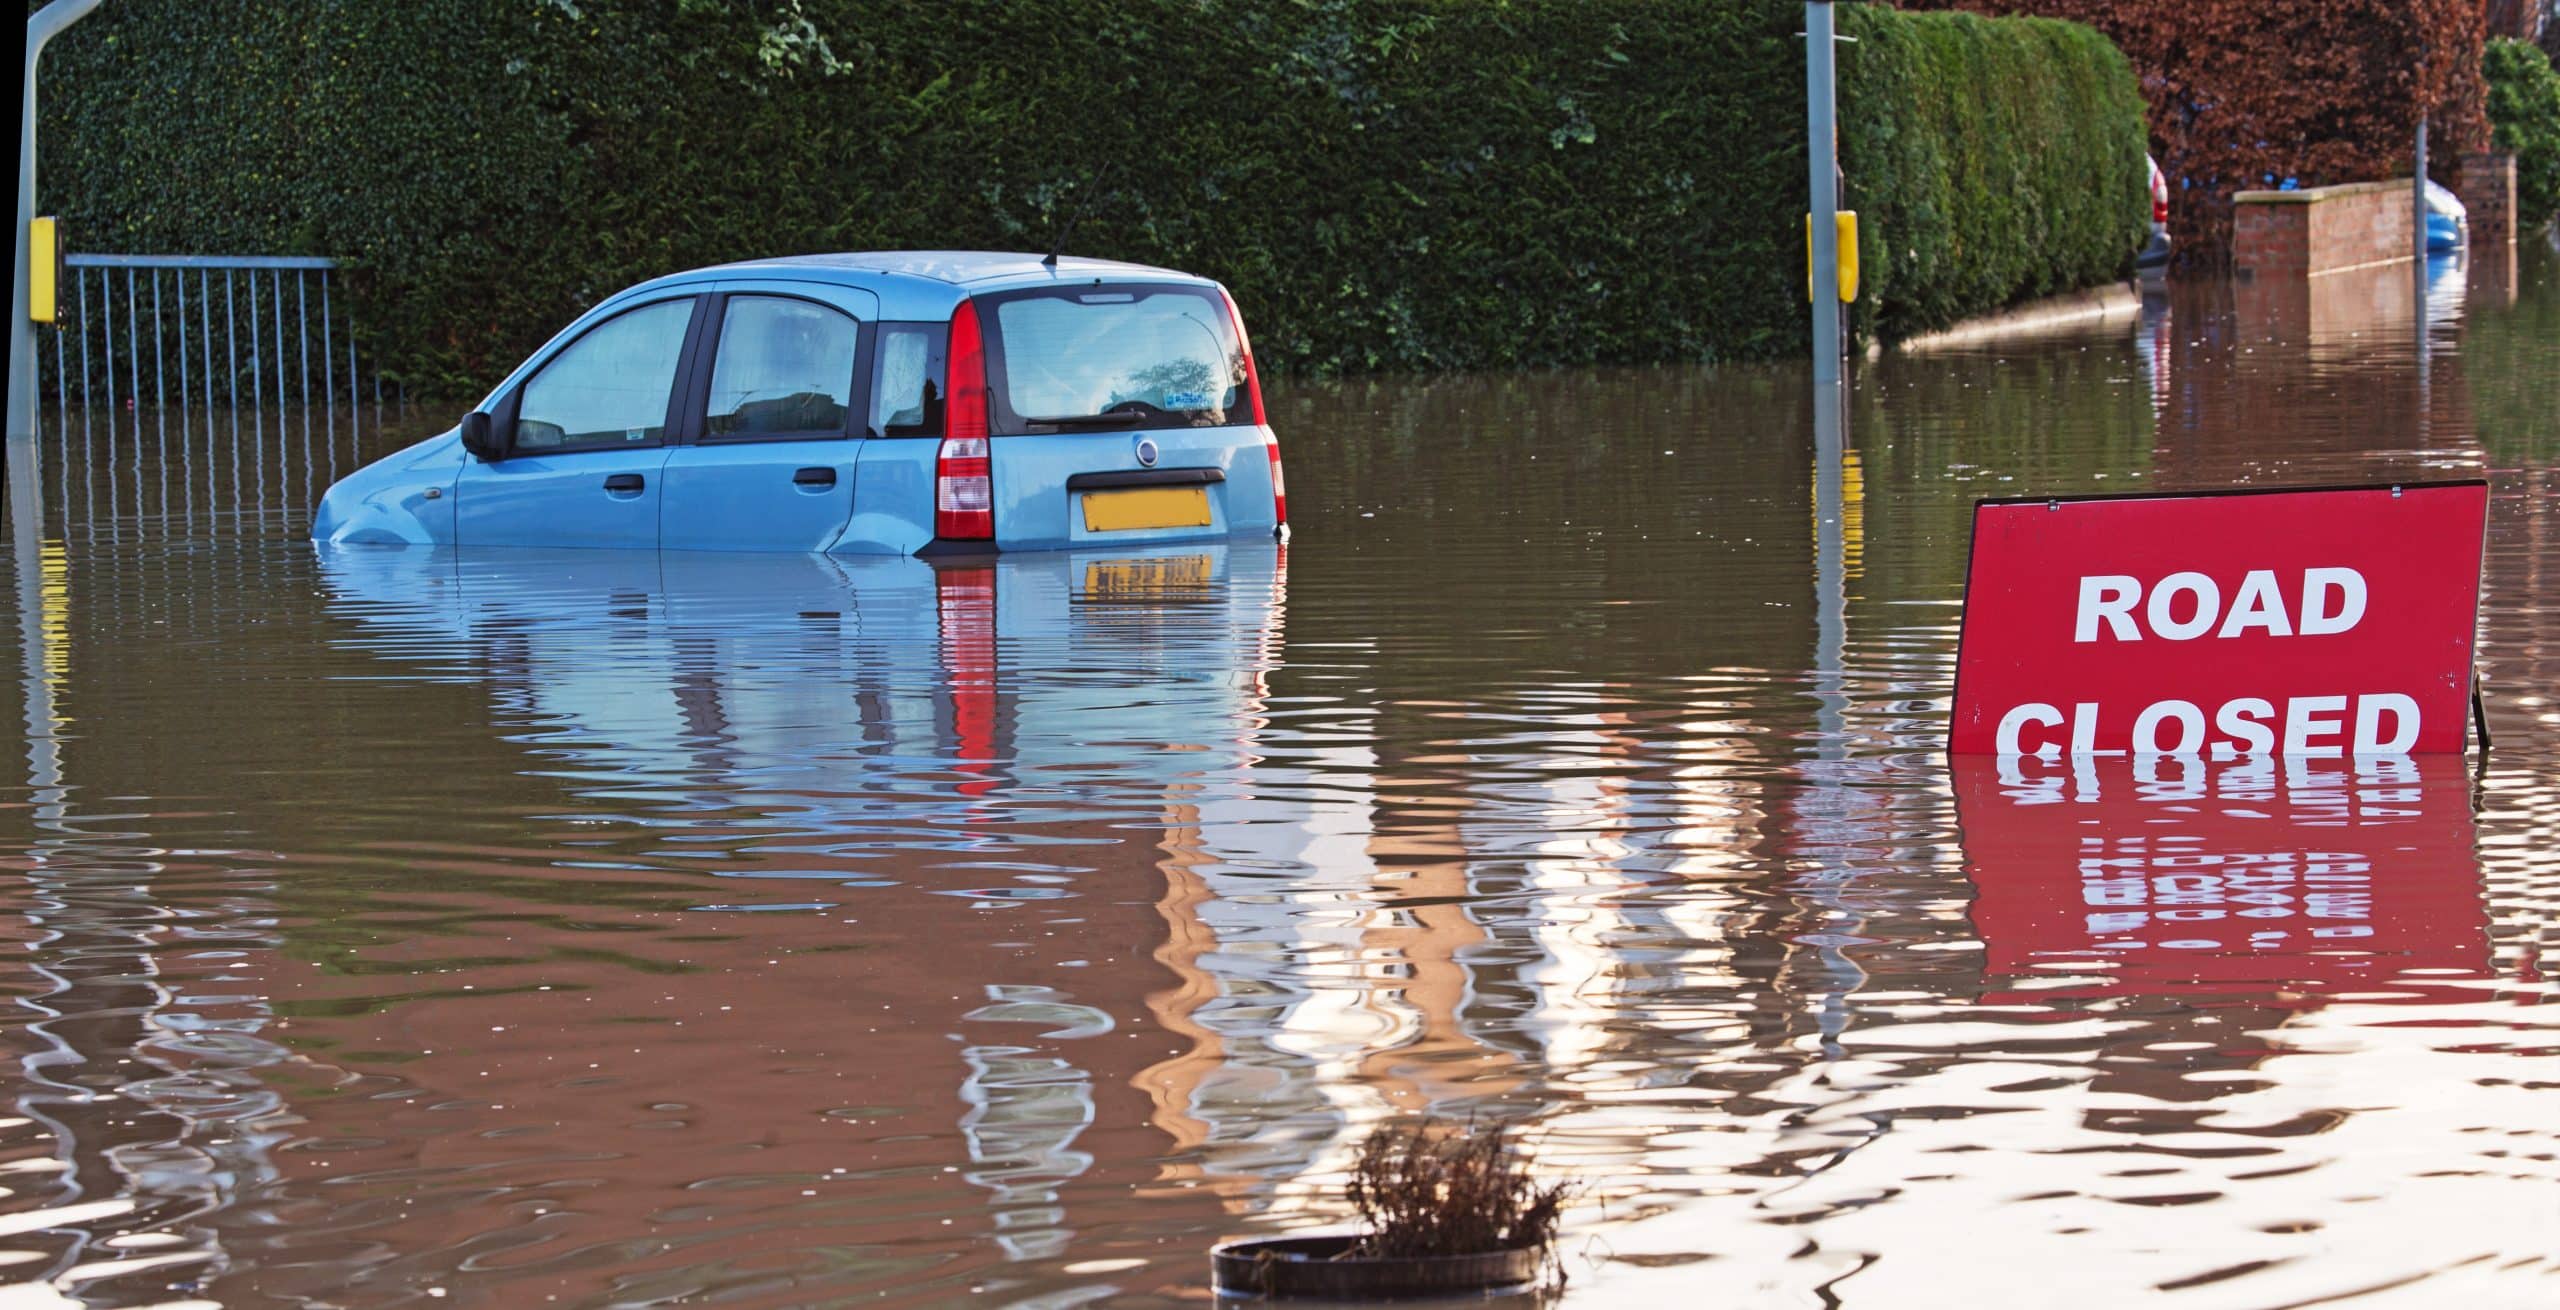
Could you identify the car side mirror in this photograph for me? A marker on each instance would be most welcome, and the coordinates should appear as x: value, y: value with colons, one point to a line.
x: 480, y: 437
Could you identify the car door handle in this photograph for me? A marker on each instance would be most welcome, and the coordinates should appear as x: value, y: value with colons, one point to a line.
x: 625, y: 482
x: 814, y: 477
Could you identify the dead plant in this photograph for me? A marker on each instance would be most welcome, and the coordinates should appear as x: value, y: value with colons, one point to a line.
x: 1427, y: 1188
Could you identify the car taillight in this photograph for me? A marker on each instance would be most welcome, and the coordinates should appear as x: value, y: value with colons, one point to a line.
x: 2159, y: 197
x: 1252, y: 379
x: 1279, y: 485
x: 964, y: 499
x: 964, y: 407
x: 1253, y: 406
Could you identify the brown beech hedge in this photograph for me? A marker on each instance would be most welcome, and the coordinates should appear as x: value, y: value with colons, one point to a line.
x: 2247, y: 94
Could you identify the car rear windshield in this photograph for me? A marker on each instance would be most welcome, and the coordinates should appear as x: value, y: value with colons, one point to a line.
x: 1107, y: 357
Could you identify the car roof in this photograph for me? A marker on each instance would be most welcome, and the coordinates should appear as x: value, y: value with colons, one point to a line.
x: 910, y: 284
x: 960, y: 267
x: 974, y: 270
x: 919, y: 282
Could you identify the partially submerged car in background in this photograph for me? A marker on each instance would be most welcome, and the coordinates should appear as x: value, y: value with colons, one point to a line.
x: 2155, y: 252
x: 881, y: 403
x: 2448, y: 223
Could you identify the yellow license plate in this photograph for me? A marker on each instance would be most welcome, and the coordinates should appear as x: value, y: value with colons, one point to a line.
x: 1146, y: 507
x: 1114, y: 579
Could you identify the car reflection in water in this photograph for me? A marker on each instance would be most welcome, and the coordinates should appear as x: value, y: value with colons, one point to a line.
x: 976, y: 802
x: 2282, y: 881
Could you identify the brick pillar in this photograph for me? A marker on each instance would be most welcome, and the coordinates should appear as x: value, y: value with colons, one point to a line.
x: 2270, y: 239
x: 2488, y: 191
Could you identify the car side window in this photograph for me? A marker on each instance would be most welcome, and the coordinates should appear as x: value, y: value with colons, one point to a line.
x: 906, y: 383
x: 609, y: 389
x: 785, y: 368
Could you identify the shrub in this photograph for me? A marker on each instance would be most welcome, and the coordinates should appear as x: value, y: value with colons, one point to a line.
x: 1994, y: 161
x: 1428, y: 1190
x: 1386, y: 184
x: 2524, y: 111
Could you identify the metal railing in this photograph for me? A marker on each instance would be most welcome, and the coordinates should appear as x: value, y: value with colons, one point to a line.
x: 157, y: 362
x: 171, y: 311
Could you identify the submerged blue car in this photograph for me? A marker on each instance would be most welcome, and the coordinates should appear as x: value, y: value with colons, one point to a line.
x: 2448, y: 223
x: 889, y: 403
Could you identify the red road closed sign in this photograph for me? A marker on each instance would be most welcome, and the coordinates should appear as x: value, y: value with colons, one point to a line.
x: 2313, y: 622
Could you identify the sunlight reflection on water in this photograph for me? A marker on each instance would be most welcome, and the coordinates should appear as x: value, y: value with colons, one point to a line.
x: 381, y: 939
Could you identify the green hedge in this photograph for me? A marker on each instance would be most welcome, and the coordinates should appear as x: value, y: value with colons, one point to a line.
x: 2524, y: 111
x: 1387, y: 184
x: 2001, y: 158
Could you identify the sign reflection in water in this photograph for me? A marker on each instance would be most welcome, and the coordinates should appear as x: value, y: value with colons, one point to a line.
x: 2167, y: 875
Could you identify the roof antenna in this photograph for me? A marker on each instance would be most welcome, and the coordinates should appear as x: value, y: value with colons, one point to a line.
x: 1069, y: 229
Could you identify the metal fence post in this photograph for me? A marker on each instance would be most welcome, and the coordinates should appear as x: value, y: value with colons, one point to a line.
x: 355, y: 407
x: 204, y: 334
x: 186, y: 421
x: 231, y: 348
x: 328, y: 357
x: 61, y: 383
x: 302, y: 339
x: 107, y: 346
x: 81, y: 278
x: 257, y: 370
x: 133, y: 353
x: 275, y: 288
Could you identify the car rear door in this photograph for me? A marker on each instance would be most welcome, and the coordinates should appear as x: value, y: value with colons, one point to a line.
x: 1150, y: 486
x: 587, y: 438
x: 774, y: 427
x: 1122, y: 417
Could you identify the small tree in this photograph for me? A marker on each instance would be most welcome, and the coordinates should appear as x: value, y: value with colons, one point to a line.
x: 2524, y: 111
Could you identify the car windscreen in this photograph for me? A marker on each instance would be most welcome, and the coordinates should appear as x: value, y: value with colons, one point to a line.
x: 1101, y: 357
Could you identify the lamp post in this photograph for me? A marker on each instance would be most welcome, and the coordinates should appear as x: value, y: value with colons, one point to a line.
x: 26, y: 505
x: 1822, y: 145
x: 2418, y: 178
x: 2418, y: 195
x: 42, y: 26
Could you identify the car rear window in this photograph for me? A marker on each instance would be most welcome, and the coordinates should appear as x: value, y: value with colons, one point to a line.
x: 1161, y: 356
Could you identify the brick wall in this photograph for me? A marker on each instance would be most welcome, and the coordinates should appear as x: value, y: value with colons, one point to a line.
x: 2488, y: 191
x: 2320, y: 229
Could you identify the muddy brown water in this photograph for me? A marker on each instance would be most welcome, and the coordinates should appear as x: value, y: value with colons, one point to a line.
x: 396, y: 928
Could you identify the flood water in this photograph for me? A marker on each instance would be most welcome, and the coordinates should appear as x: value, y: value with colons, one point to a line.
x: 514, y: 928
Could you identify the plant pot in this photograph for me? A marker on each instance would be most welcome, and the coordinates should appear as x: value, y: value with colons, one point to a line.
x: 1312, y: 1267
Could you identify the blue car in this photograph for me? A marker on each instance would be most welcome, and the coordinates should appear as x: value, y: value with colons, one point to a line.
x: 2448, y: 223
x: 886, y: 403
